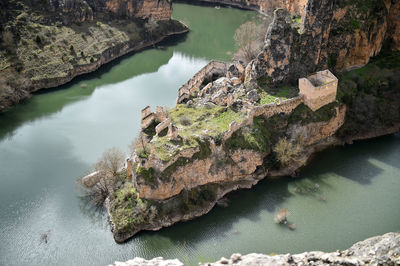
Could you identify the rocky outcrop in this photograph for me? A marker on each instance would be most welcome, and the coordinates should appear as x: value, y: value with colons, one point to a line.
x: 72, y: 11
x: 378, y: 250
x: 46, y: 44
x: 295, y: 7
x: 158, y: 10
x: 331, y: 35
x: 233, y: 125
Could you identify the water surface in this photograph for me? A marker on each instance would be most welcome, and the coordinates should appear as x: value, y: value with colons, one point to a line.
x: 55, y: 137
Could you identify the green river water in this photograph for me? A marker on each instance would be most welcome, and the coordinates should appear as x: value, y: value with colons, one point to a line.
x: 54, y: 138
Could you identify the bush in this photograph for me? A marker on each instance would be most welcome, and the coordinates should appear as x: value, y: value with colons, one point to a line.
x: 287, y: 152
x: 38, y: 40
x: 186, y: 121
x: 8, y: 40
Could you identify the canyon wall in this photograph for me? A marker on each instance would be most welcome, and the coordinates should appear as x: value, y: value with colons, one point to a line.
x: 331, y: 35
x: 72, y: 11
x: 295, y: 7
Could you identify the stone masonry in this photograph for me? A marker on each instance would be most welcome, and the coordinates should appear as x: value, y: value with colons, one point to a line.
x: 318, y: 89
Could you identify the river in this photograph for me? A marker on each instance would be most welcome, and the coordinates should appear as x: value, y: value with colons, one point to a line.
x: 55, y: 137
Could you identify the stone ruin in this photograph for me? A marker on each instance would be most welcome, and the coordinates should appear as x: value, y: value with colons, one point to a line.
x: 318, y: 89
x: 162, y: 121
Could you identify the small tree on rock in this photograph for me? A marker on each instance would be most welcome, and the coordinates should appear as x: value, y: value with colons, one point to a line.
x: 151, y: 25
x: 287, y: 152
x: 111, y: 161
x: 247, y: 39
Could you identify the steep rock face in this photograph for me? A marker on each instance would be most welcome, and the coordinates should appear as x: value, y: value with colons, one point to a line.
x: 295, y: 7
x: 47, y: 43
x: 336, y: 35
x: 212, y: 169
x: 378, y: 250
x: 85, y: 10
x: 158, y: 10
x: 394, y: 24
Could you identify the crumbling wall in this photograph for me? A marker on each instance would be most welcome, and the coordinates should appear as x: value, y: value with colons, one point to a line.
x: 216, y: 68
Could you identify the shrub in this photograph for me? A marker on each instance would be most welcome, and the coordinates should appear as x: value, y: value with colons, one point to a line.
x: 186, y: 121
x: 287, y: 152
x: 8, y: 40
x: 38, y: 40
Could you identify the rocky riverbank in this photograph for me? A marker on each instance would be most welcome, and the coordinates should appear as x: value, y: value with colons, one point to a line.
x: 44, y: 46
x: 378, y: 250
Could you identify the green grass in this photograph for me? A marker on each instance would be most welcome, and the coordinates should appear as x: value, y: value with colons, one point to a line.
x: 376, y: 75
x: 122, y: 208
x: 212, y: 122
x: 255, y: 137
x: 127, y: 209
x: 283, y: 93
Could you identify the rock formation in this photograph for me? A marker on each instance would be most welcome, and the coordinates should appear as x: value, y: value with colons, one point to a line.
x: 337, y: 35
x: 295, y: 7
x: 47, y: 43
x: 233, y: 125
x: 378, y: 250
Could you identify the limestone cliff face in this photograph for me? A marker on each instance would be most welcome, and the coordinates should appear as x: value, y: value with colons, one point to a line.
x: 393, y: 33
x: 213, y: 169
x: 335, y: 35
x: 158, y: 10
x: 295, y: 7
x: 86, y: 10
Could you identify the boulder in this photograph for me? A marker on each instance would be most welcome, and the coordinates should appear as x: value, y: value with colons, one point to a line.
x: 253, y: 96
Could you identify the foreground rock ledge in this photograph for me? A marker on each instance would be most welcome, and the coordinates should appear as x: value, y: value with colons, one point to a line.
x: 378, y: 250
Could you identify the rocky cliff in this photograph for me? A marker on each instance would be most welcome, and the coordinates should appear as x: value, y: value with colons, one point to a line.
x: 234, y: 125
x: 295, y: 7
x: 47, y: 43
x: 378, y: 250
x: 338, y: 35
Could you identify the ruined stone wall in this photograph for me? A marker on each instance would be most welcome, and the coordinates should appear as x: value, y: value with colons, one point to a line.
x: 189, y: 88
x: 210, y: 170
x: 269, y: 110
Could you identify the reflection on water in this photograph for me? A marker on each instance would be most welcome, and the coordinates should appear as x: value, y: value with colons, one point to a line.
x: 56, y: 136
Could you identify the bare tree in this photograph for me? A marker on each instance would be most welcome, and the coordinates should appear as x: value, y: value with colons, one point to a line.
x: 111, y: 161
x: 151, y: 25
x: 247, y: 38
x: 106, y: 169
x: 99, y: 192
x: 141, y: 141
